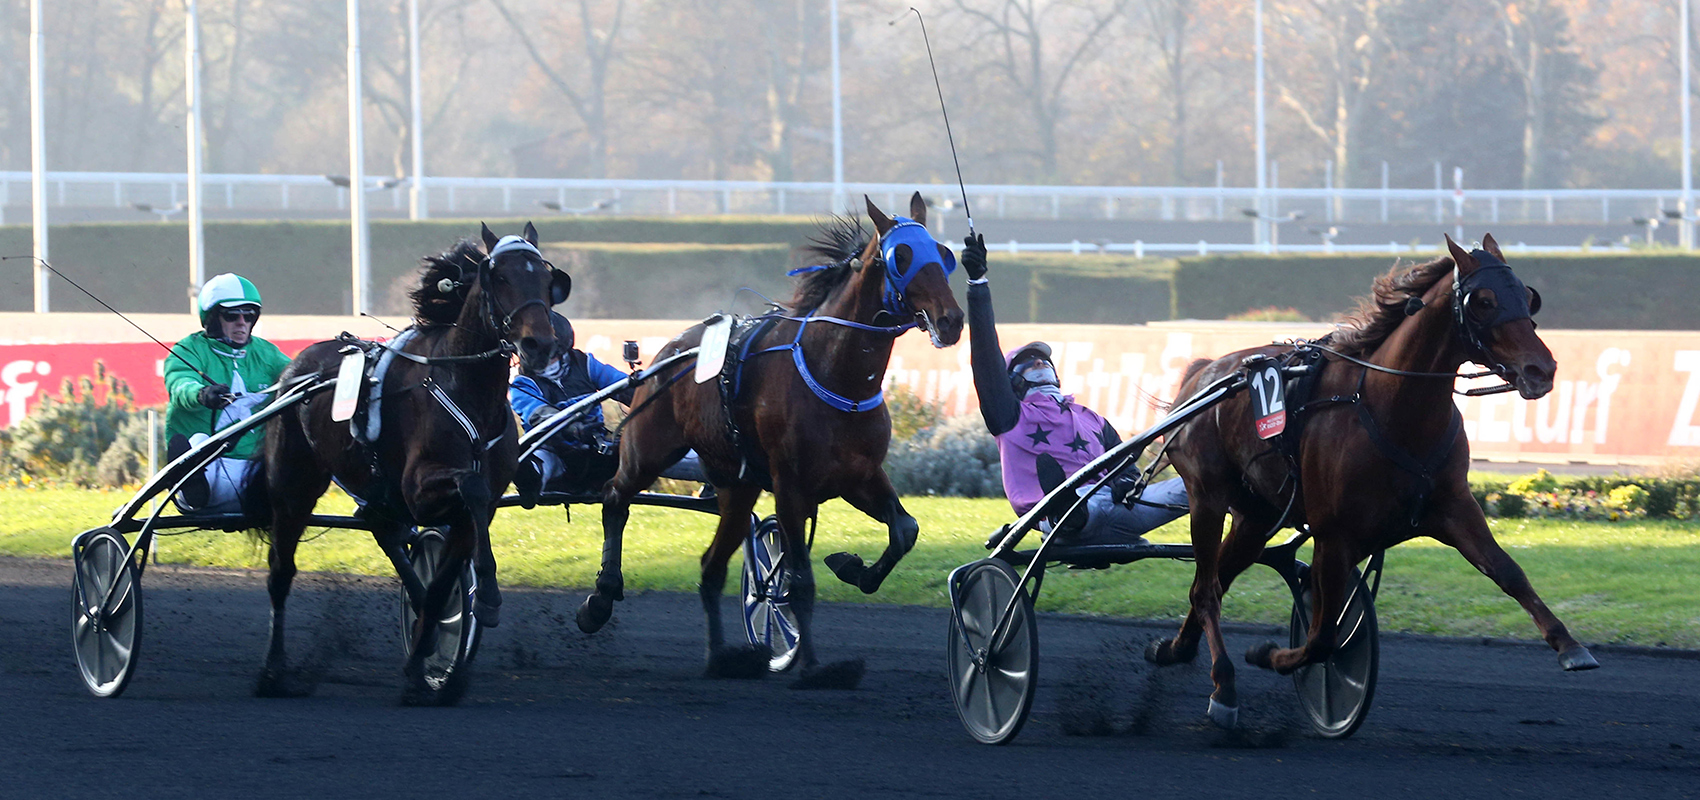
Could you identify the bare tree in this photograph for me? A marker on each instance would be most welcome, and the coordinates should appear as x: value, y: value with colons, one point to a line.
x: 1166, y: 24
x: 1350, y: 36
x: 1020, y: 35
x: 589, y: 102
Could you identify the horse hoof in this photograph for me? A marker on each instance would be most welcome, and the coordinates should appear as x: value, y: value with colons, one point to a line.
x: 1224, y: 717
x: 487, y: 615
x: 594, y: 613
x: 1162, y: 653
x: 870, y: 581
x: 837, y: 675
x: 1577, y: 659
x: 1260, y: 655
x: 282, y: 683
x: 848, y: 567
x: 739, y: 663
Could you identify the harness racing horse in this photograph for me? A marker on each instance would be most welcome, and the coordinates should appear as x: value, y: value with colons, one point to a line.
x: 809, y: 427
x: 1380, y: 456
x: 448, y: 444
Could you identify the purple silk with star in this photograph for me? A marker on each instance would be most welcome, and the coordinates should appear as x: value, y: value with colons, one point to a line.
x: 1063, y: 428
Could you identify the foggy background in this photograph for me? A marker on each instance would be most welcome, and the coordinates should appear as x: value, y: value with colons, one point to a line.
x: 1542, y: 94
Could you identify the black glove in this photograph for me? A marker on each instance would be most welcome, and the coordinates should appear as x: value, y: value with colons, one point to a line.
x: 539, y: 415
x: 1124, y: 485
x: 974, y: 256
x: 215, y: 397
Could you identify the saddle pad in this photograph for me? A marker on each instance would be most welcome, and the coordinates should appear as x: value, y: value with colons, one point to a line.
x: 711, y: 353
x: 348, y: 378
x: 375, y: 395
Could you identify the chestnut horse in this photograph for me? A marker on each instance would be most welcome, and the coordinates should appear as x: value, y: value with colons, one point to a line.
x: 814, y: 446
x: 448, y: 442
x: 1381, y: 458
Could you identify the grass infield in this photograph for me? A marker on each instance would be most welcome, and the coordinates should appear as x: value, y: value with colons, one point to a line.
x: 1626, y: 582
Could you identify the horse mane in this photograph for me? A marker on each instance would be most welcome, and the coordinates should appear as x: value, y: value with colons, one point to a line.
x: 840, y: 239
x: 458, y: 263
x: 1363, y: 329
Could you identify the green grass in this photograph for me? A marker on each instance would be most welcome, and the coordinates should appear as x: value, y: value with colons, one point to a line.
x: 1624, y: 582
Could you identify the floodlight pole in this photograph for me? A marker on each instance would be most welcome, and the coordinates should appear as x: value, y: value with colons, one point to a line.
x: 1260, y: 225
x: 1686, y: 229
x: 416, y: 196
x: 361, y: 246
x: 192, y: 86
x: 38, y: 160
x: 838, y: 203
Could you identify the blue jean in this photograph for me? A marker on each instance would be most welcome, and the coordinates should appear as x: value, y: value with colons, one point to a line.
x: 1109, y: 521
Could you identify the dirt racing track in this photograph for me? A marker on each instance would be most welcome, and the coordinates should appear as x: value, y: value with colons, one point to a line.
x: 625, y: 713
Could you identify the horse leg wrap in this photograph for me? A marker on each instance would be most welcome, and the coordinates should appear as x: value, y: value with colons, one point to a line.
x: 1225, y: 717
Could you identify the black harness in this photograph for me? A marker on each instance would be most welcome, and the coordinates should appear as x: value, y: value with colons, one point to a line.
x: 1515, y: 302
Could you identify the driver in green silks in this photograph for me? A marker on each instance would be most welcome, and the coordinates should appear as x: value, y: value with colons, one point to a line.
x: 216, y: 377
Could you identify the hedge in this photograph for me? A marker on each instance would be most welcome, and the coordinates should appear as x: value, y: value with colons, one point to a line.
x: 302, y: 267
x: 1647, y: 291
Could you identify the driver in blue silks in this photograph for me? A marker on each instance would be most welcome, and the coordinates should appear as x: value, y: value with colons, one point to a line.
x: 583, y: 455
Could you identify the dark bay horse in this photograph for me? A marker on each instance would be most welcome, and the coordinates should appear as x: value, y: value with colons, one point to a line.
x: 1357, y: 494
x: 447, y: 446
x: 812, y: 445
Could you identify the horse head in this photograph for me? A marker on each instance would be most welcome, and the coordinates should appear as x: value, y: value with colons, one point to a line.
x: 917, y: 282
x: 1493, y: 314
x: 516, y: 288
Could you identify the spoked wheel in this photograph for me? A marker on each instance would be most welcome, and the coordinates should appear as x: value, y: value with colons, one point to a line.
x: 768, y: 621
x: 992, y: 681
x: 1336, y: 694
x: 106, y: 611
x: 457, y: 629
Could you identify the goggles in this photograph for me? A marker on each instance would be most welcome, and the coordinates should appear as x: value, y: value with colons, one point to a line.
x: 248, y: 313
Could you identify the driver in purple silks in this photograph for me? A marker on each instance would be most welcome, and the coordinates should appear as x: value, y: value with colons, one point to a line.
x: 1044, y: 435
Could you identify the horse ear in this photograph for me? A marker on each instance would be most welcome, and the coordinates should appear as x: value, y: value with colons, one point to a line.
x: 917, y: 208
x: 1459, y: 255
x: 560, y: 287
x: 882, y: 223
x: 490, y: 238
x: 1492, y: 246
x: 531, y: 233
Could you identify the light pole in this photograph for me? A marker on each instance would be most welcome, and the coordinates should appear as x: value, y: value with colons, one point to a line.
x: 361, y: 247
x: 838, y: 205
x: 1686, y: 229
x: 38, y: 160
x: 416, y: 196
x: 192, y: 87
x: 1259, y: 226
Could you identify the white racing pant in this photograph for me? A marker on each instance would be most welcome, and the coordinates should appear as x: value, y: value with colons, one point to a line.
x: 226, y: 478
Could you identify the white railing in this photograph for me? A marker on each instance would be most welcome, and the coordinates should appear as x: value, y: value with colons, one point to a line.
x: 291, y: 195
x: 1140, y: 249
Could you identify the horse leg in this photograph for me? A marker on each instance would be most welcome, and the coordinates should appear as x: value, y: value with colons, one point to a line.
x: 480, y: 509
x: 616, y: 508
x: 793, y: 512
x: 1463, y: 527
x: 457, y: 551
x: 877, y: 499
x: 1206, y: 522
x: 290, y: 510
x: 392, y: 539
x: 724, y: 662
x: 1330, y: 587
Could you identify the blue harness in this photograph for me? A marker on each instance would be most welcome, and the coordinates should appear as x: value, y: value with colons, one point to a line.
x: 924, y: 250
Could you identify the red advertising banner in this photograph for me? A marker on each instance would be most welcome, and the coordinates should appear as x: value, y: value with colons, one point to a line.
x: 1628, y: 397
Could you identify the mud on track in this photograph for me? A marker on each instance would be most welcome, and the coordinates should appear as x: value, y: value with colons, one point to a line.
x: 625, y: 713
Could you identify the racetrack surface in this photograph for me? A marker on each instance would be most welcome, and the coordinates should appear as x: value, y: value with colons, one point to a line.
x: 625, y: 713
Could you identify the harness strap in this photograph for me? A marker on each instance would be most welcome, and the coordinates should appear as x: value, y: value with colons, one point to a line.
x: 1424, y: 469
x: 459, y: 416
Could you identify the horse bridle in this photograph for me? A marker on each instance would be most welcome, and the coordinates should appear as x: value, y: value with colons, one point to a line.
x: 924, y: 251
x: 1515, y: 302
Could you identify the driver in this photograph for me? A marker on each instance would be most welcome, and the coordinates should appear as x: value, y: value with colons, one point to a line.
x: 1044, y: 435
x: 214, y: 378
x: 583, y: 454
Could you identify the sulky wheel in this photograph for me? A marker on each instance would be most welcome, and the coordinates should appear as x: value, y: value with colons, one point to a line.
x: 768, y: 620
x: 457, y: 630
x: 1337, y: 693
x: 992, y: 682
x: 106, y: 611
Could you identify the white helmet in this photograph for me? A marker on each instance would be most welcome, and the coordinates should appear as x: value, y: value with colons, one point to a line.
x: 227, y: 289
